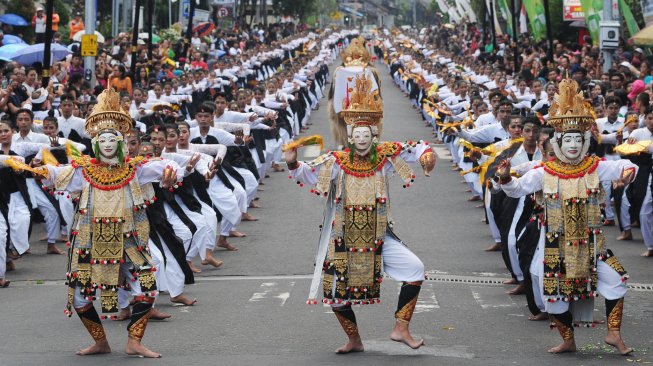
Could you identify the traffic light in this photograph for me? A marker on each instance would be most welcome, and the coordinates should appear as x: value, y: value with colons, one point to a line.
x: 347, y: 19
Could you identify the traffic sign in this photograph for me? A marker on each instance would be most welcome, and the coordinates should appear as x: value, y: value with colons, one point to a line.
x: 89, y: 45
x: 185, y: 6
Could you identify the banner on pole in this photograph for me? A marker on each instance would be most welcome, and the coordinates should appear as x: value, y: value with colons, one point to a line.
x: 535, y: 11
x: 592, y: 10
x: 572, y: 10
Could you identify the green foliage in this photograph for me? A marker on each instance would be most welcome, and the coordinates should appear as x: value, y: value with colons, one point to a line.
x: 172, y: 34
x: 27, y: 10
x: 296, y: 8
x: 636, y: 8
x: 64, y: 12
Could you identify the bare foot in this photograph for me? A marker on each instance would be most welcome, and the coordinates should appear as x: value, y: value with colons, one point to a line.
x: 401, y: 334
x: 474, y: 198
x: 519, y: 290
x: 135, y: 348
x: 482, y: 205
x: 511, y: 281
x: 355, y: 345
x: 182, y: 299
x: 223, y: 243
x: 98, y: 348
x: 248, y: 217
x: 193, y: 269
x: 4, y: 283
x: 614, y: 339
x: 212, y: 261
x: 124, y: 314
x: 11, y: 266
x: 626, y: 235
x: 648, y: 253
x: 253, y: 204
x: 565, y: 346
x: 237, y: 234
x: 52, y: 249
x: 155, y: 314
x: 494, y: 247
x: 541, y: 316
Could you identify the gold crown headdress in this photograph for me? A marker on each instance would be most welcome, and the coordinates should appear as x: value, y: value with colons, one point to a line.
x: 107, y: 114
x: 362, y: 105
x: 356, y: 54
x: 569, y: 111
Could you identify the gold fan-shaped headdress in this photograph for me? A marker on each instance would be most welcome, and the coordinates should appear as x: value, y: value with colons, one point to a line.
x: 569, y: 111
x: 356, y: 54
x: 362, y: 105
x: 107, y: 114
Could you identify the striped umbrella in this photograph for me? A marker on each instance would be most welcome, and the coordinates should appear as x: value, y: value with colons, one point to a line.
x: 203, y: 29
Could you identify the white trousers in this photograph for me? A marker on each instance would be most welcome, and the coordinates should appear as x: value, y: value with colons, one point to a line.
x: 239, y: 192
x: 494, y: 229
x: 18, y: 221
x: 202, y: 237
x: 49, y: 212
x: 251, y: 185
x: 181, y: 230
x: 212, y: 222
x: 609, y: 285
x: 225, y: 201
x: 607, y: 187
x: 3, y: 243
x: 169, y: 276
x: 512, y: 241
x: 399, y: 262
x: 646, y: 218
x: 67, y: 208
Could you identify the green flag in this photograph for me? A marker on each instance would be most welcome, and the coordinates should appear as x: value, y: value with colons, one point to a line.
x: 507, y: 16
x: 592, y: 10
x: 631, y: 24
x: 537, y: 18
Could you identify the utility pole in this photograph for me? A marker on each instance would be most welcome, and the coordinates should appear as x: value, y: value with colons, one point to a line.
x: 137, y: 15
x: 90, y: 17
x: 515, y: 51
x: 607, y: 54
x: 189, y: 29
x: 150, y: 11
x: 494, y: 31
x: 549, y: 31
x: 415, y: 13
x: 45, y: 72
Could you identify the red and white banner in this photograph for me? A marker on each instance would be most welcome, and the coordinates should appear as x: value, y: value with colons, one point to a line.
x: 572, y: 10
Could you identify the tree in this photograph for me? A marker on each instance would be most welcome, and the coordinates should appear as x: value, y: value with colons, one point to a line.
x: 295, y: 8
x: 27, y: 10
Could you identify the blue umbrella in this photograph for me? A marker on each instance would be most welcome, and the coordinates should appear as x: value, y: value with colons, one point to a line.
x: 34, y: 53
x: 8, y: 51
x: 13, y: 19
x: 11, y: 39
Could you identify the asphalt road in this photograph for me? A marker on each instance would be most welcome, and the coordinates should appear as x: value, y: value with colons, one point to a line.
x: 252, y: 311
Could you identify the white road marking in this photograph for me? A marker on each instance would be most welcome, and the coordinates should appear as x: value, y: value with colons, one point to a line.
x: 488, y: 304
x: 271, y: 291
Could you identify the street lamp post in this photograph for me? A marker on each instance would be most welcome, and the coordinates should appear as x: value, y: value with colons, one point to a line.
x: 45, y: 72
x: 90, y: 17
x: 137, y: 15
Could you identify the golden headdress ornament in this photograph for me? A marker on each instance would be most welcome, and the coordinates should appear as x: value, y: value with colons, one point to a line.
x: 356, y: 54
x: 107, y: 114
x: 362, y: 105
x: 569, y: 111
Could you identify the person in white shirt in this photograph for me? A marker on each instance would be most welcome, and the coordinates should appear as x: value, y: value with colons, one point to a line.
x: 69, y: 124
